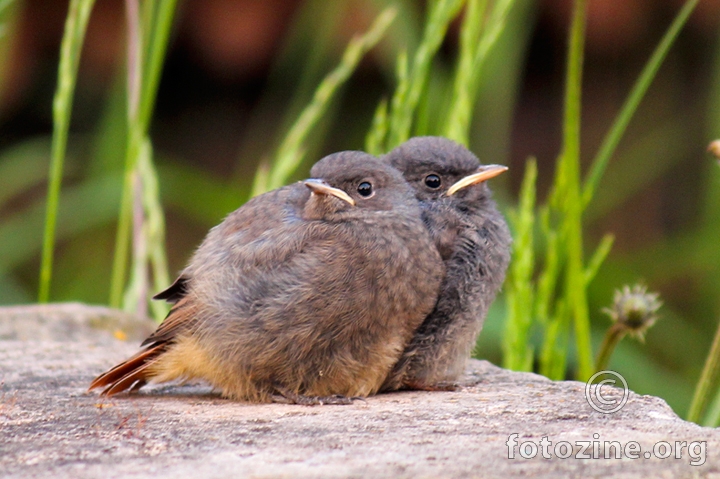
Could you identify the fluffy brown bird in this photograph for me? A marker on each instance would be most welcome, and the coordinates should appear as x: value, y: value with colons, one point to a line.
x: 474, y: 242
x: 308, y: 293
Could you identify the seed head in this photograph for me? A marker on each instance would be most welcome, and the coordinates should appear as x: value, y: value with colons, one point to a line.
x: 634, y: 310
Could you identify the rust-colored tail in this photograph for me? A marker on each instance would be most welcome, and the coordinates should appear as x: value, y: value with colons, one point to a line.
x: 129, y: 373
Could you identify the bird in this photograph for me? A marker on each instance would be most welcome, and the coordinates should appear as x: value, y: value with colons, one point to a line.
x: 474, y: 242
x: 307, y: 294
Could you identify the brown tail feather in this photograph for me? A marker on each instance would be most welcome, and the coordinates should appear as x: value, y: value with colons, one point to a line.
x: 127, y: 373
x: 127, y: 381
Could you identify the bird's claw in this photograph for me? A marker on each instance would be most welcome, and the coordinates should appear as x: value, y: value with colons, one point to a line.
x: 285, y: 396
x: 438, y: 386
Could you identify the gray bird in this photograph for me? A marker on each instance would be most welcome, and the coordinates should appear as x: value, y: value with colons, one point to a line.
x: 474, y: 242
x: 307, y: 294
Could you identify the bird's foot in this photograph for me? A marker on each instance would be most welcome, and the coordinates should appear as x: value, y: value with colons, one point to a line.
x: 285, y: 396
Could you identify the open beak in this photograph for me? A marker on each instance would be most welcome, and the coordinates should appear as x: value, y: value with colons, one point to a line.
x: 485, y: 173
x: 322, y: 188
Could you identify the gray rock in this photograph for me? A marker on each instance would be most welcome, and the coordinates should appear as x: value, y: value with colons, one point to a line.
x: 51, y: 427
x: 70, y: 322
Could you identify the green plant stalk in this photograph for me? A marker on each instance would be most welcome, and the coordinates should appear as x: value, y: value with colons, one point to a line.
x: 612, y: 139
x: 433, y: 100
x: 565, y: 204
x: 374, y: 140
x: 598, y: 258
x: 154, y: 229
x: 466, y: 89
x: 705, y: 250
x: 154, y: 42
x: 150, y: 239
x: 496, y: 25
x: 261, y: 178
x: 290, y: 151
x: 155, y: 45
x: 377, y: 137
x: 518, y: 355
x: 551, y: 351
x: 553, y: 356
x: 707, y: 381
x: 571, y: 205
x: 458, y: 122
x: 120, y: 258
x: 547, y: 280
x: 73, y: 36
x: 137, y: 286
x: 712, y: 417
x: 407, y: 94
x: 612, y: 337
x: 134, y: 137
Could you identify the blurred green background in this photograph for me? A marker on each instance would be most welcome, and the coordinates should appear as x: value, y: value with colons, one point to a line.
x: 238, y: 72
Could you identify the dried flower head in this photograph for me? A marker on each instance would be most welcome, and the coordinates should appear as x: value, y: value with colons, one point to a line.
x: 714, y: 148
x: 634, y: 310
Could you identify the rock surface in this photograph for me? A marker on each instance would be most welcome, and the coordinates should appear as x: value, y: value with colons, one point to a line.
x: 51, y: 427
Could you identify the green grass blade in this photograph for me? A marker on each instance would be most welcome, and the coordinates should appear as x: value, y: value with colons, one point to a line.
x: 290, y: 151
x: 518, y: 354
x: 468, y: 77
x: 156, y: 42
x: 154, y: 228
x: 598, y: 258
x: 612, y: 139
x: 399, y: 97
x: 407, y: 94
x: 458, y: 121
x: 70, y: 49
x: 548, y: 278
x: 375, y: 139
x: 707, y: 381
x: 565, y: 197
x: 546, y: 309
x: 148, y: 67
x: 712, y: 417
x: 553, y: 355
x: 149, y: 245
x: 573, y: 90
x: 120, y: 257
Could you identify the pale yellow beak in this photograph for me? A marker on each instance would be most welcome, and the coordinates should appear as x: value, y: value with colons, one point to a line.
x: 486, y: 172
x: 322, y: 188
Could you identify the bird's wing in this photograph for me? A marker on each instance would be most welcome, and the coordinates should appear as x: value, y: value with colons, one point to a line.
x: 182, y: 317
x: 244, y: 224
x: 175, y: 291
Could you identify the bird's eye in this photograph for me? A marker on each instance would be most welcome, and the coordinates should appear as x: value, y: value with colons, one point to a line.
x: 432, y: 181
x: 365, y: 189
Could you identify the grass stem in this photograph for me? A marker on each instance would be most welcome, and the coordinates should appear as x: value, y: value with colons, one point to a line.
x: 707, y: 380
x: 612, y: 337
x: 70, y: 49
